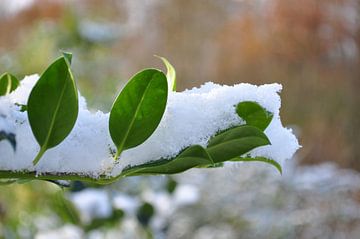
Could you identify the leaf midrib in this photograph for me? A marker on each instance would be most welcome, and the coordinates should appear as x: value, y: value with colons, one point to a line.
x: 55, y: 114
x: 133, y: 118
x: 226, y: 133
x: 229, y: 141
x: 9, y: 85
x: 170, y: 161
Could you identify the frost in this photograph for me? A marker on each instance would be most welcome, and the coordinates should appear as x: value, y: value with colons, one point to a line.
x: 191, y: 117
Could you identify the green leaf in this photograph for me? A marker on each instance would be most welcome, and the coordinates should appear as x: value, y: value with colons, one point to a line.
x: 235, y: 142
x: 254, y: 114
x: 105, y: 222
x: 259, y: 159
x: 64, y: 209
x: 191, y: 157
x: 9, y: 137
x: 145, y: 213
x: 53, y: 106
x: 171, y: 73
x: 138, y: 109
x: 171, y: 185
x: 8, y: 83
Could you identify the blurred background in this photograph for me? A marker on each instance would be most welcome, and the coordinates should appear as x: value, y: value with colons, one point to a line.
x: 310, y: 47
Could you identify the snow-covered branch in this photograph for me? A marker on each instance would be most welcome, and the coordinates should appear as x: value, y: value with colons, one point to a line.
x: 192, y: 117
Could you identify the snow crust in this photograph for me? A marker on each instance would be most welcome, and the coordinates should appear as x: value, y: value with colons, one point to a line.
x: 191, y: 117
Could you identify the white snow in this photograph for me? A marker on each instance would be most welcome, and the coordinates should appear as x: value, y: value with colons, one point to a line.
x: 126, y: 203
x: 186, y: 194
x: 191, y: 117
x: 92, y: 203
x: 5, y: 124
x: 65, y: 232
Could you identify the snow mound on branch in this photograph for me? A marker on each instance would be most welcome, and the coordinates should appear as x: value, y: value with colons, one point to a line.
x: 191, y: 117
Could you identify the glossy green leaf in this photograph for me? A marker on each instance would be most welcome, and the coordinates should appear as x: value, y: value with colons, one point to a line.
x: 53, y: 105
x: 235, y: 132
x: 235, y: 142
x: 9, y: 137
x: 138, y: 109
x: 8, y: 83
x: 191, y: 157
x: 171, y: 73
x: 259, y: 159
x: 254, y: 114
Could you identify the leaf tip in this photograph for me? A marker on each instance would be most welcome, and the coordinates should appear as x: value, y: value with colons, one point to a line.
x: 67, y: 56
x: 171, y: 73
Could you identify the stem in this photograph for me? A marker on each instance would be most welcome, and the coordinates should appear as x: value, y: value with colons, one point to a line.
x: 39, y: 155
x: 60, y: 176
x: 118, y: 153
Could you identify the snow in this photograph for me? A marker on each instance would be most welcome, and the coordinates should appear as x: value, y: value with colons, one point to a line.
x: 126, y: 203
x: 186, y: 194
x: 92, y: 203
x: 65, y: 232
x: 166, y: 204
x: 5, y: 124
x: 191, y: 117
